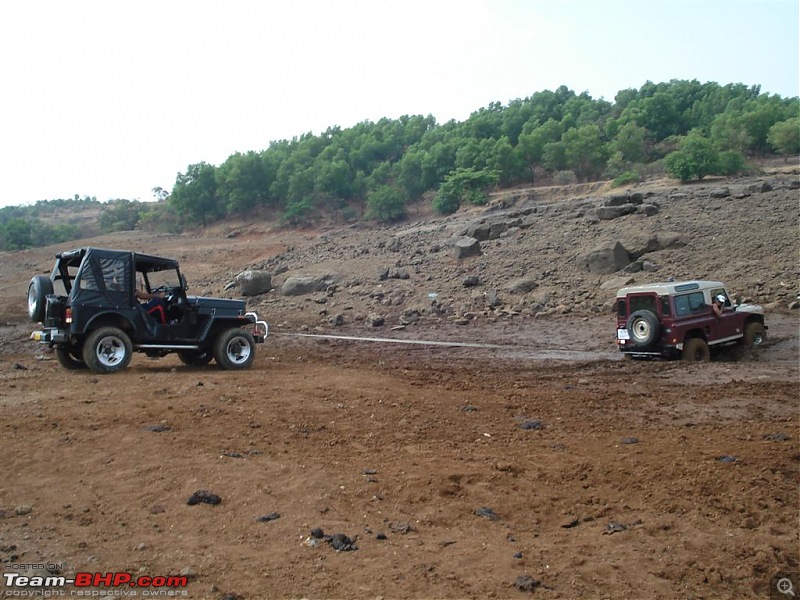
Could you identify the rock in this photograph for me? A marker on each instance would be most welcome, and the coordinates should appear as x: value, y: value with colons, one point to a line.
x: 522, y: 285
x: 383, y: 274
x: 341, y: 543
x: 608, y: 213
x: 376, y: 320
x: 607, y: 258
x: 465, y: 247
x: 253, y: 283
x: 487, y: 513
x: 398, y: 274
x: 617, y: 283
x: 630, y: 440
x: 273, y: 516
x: 23, y: 509
x: 721, y: 192
x: 299, y: 285
x: 617, y: 200
x: 648, y: 266
x: 532, y: 425
x: 492, y: 298
x: 648, y: 210
x: 471, y: 281
x: 526, y: 583
x: 759, y: 187
x: 189, y: 573
x: 205, y: 497
x: 336, y: 320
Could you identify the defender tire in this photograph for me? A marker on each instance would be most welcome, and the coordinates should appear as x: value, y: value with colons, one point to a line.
x: 754, y: 335
x: 107, y: 350
x: 70, y: 359
x: 643, y: 328
x: 696, y: 350
x: 38, y: 290
x: 234, y: 349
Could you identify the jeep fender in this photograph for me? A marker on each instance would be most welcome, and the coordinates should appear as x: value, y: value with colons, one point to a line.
x: 108, y: 319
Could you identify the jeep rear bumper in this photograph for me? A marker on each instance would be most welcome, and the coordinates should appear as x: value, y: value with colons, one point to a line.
x: 51, y: 336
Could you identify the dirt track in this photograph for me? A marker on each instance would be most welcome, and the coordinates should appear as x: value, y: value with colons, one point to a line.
x: 409, y: 441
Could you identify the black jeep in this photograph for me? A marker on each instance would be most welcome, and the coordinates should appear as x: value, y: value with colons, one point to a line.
x: 95, y: 320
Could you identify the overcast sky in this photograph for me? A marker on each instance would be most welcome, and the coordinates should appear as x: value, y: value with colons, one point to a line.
x: 109, y: 99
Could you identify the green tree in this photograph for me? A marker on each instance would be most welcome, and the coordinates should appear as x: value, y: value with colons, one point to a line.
x: 15, y: 234
x: 194, y: 195
x: 785, y: 137
x: 531, y: 144
x: 696, y: 158
x: 630, y: 142
x: 584, y: 151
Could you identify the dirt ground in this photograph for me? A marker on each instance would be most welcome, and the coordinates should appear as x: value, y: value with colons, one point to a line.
x: 456, y: 471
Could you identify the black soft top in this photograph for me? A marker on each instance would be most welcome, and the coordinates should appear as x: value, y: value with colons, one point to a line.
x: 144, y: 262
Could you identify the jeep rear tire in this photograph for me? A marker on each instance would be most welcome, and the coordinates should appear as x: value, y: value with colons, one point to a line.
x: 195, y: 358
x: 696, y: 350
x: 38, y: 290
x: 234, y: 349
x: 70, y: 359
x: 107, y: 350
x: 643, y: 328
x: 754, y: 335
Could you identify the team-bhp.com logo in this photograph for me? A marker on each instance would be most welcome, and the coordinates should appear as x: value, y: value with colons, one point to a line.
x: 94, y: 584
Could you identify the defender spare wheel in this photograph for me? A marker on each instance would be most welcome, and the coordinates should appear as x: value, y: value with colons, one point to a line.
x: 38, y: 290
x: 643, y: 328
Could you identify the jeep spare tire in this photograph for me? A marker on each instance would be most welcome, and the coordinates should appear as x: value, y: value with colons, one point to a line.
x: 643, y: 328
x: 38, y: 289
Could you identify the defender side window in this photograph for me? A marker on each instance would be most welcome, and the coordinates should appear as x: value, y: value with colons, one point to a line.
x: 690, y: 303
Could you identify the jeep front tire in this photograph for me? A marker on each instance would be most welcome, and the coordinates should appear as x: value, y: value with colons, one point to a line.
x: 107, y: 350
x: 234, y: 349
x: 754, y: 335
x: 38, y: 289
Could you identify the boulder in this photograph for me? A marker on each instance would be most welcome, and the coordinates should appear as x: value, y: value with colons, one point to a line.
x: 721, y: 192
x: 253, y: 283
x: 607, y: 213
x: 466, y: 246
x: 299, y: 285
x: 607, y: 258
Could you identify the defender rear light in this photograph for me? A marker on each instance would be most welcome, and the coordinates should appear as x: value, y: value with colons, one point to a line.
x: 68, y: 315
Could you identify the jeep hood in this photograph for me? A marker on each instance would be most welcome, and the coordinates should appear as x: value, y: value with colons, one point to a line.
x: 235, y: 307
x: 750, y: 308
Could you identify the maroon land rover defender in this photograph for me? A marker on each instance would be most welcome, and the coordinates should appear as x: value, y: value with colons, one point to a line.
x: 675, y: 319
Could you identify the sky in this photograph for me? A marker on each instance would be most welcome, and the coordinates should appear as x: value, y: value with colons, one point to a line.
x: 109, y: 99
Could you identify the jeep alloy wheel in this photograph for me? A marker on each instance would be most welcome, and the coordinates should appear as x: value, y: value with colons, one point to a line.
x: 107, y: 350
x: 234, y: 349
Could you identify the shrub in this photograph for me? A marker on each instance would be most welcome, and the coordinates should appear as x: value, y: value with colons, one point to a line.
x: 731, y: 162
x: 564, y: 177
x: 386, y: 204
x: 626, y: 178
x: 463, y: 184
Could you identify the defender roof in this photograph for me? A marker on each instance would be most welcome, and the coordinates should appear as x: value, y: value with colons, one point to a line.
x: 668, y: 288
